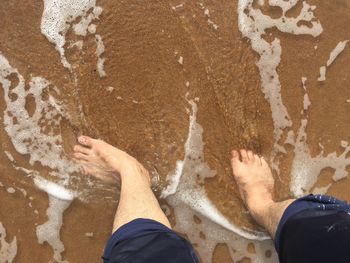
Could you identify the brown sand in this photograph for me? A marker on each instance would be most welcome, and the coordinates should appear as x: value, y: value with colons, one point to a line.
x: 143, y: 43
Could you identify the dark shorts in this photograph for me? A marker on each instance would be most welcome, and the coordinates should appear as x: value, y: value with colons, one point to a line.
x: 314, y: 229
x: 145, y: 240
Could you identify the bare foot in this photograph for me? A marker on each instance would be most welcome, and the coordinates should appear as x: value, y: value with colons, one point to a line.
x: 255, y: 181
x: 106, y: 162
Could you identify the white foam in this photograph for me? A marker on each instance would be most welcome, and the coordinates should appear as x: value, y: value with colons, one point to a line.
x: 207, y: 14
x: 186, y: 195
x: 37, y: 135
x: 50, y: 231
x: 53, y: 189
x: 57, y: 19
x: 253, y: 25
x: 336, y: 51
x: 110, y: 89
x: 8, y: 250
x: 11, y: 190
x: 92, y: 29
x: 84, y: 25
x: 180, y: 60
x: 173, y: 180
x: 100, y: 49
x: 307, y: 102
x: 177, y: 6
x: 9, y: 156
x: 332, y: 56
x: 322, y: 76
x: 79, y: 44
x: 306, y: 168
x: 321, y: 190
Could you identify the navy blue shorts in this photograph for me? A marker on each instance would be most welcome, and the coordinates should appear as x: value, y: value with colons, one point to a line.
x: 314, y: 229
x: 147, y: 241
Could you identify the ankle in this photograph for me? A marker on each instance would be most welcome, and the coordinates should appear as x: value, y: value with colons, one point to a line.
x: 260, y: 208
x: 135, y: 173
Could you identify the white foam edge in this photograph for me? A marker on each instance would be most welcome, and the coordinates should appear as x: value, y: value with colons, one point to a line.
x: 8, y: 250
x: 199, y: 202
x: 54, y: 189
x: 195, y: 197
x: 336, y: 51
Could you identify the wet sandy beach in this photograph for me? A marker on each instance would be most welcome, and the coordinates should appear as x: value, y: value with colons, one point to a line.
x: 177, y: 84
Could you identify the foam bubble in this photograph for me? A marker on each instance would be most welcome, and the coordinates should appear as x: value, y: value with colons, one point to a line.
x: 180, y: 60
x: 8, y: 250
x: 336, y: 51
x: 100, y: 49
x: 11, y: 190
x: 50, y: 231
x: 307, y: 102
x: 332, y: 56
x: 322, y: 76
x: 89, y: 234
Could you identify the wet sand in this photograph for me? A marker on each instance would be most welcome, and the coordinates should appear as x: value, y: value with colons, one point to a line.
x: 156, y: 52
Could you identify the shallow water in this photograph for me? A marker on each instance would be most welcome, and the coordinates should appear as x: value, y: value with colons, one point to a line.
x: 177, y: 84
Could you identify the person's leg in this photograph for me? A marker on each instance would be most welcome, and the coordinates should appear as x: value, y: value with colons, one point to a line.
x: 255, y: 181
x: 314, y: 228
x: 110, y: 164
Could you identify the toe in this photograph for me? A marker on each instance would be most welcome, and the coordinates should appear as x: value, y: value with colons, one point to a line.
x: 88, y: 170
x: 250, y: 155
x: 81, y: 149
x: 85, y: 140
x: 80, y: 156
x: 235, y: 163
x: 263, y: 161
x: 257, y: 158
x: 244, y: 156
x: 235, y: 158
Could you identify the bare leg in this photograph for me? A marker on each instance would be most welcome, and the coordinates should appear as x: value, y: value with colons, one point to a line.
x: 110, y: 164
x: 255, y: 181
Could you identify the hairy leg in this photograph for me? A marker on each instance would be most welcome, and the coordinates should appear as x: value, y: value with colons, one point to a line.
x: 110, y: 164
x: 255, y: 181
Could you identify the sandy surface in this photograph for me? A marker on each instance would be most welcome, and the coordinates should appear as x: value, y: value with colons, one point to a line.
x: 155, y: 54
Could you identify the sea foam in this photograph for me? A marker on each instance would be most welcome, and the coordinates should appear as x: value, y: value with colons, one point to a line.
x: 186, y: 195
x: 8, y: 250
x: 253, y: 25
x: 36, y: 134
x: 60, y: 15
x: 332, y: 56
x: 50, y: 231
